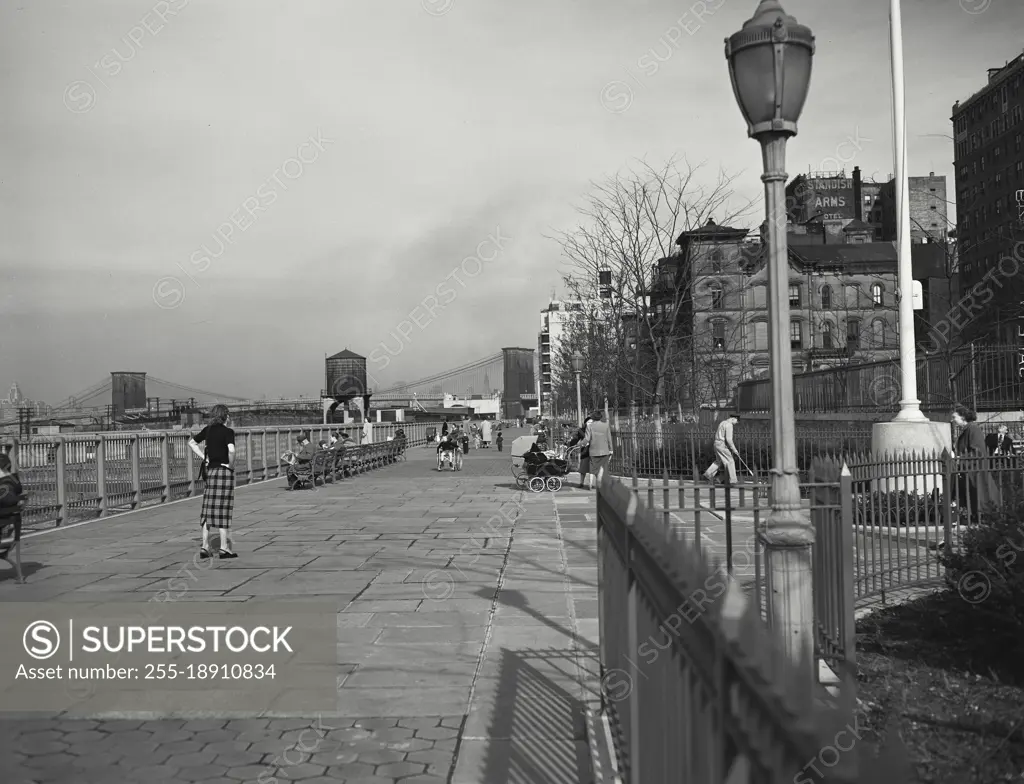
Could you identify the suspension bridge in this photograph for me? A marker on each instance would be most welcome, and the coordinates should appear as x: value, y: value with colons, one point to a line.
x: 507, y: 373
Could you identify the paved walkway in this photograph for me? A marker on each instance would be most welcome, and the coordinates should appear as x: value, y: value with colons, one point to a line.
x: 467, y: 652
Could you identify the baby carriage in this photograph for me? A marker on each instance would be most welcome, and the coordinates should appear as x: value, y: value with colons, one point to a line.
x: 534, y: 468
x: 448, y: 451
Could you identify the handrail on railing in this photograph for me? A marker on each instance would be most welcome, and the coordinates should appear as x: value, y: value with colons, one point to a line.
x: 83, y: 476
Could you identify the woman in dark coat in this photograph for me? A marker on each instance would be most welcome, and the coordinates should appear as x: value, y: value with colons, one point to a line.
x: 584, y: 453
x: 218, y: 456
x: 975, y: 487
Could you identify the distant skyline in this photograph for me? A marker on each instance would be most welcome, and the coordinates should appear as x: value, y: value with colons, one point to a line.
x: 221, y: 193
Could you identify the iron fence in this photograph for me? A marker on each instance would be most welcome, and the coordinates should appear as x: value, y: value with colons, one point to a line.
x: 694, y: 685
x: 688, y: 452
x: 880, y: 522
x: 982, y: 377
x: 80, y: 477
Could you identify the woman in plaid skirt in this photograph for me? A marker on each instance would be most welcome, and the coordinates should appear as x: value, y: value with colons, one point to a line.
x: 219, y: 474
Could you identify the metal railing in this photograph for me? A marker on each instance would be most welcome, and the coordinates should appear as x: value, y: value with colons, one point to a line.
x: 879, y: 522
x: 81, y: 477
x: 695, y: 686
x: 982, y: 377
x: 688, y: 452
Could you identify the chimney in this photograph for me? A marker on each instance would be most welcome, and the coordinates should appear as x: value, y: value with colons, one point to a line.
x: 858, y: 209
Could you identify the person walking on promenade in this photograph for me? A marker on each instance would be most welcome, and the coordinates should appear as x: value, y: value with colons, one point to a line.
x: 598, y: 442
x: 724, y: 448
x: 975, y: 487
x: 218, y: 471
x: 577, y: 438
x: 499, y: 440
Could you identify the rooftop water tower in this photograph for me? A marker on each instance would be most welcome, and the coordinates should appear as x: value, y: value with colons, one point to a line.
x: 345, y: 380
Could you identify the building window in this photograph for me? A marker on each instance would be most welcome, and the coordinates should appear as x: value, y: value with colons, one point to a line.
x: 721, y: 382
x: 826, y: 297
x: 716, y: 262
x: 826, y: 335
x: 853, y: 333
x: 717, y: 296
x: 794, y: 296
x: 878, y: 333
x: 876, y: 294
x: 852, y: 296
x: 760, y: 336
x: 718, y: 334
x: 796, y: 335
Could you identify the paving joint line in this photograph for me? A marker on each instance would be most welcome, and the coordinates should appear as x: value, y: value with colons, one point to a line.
x: 488, y: 634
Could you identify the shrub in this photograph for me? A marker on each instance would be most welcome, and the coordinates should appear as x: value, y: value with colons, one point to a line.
x: 988, y: 568
x: 896, y: 508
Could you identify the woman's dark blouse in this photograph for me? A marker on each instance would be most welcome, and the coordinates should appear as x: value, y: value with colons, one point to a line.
x: 216, y: 438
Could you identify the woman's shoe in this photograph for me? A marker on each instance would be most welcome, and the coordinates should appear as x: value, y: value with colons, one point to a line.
x: 204, y: 552
x: 226, y: 554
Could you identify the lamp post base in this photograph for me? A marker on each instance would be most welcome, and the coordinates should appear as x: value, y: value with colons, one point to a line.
x: 789, y: 594
x: 902, y: 438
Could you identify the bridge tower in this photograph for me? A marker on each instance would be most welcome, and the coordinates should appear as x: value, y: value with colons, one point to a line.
x: 127, y: 390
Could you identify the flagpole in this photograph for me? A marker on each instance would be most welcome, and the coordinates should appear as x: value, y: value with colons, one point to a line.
x: 910, y: 406
x: 910, y: 431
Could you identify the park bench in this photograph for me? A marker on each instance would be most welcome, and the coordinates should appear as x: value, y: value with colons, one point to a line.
x: 303, y: 474
x: 322, y: 465
x: 10, y: 538
x: 328, y: 464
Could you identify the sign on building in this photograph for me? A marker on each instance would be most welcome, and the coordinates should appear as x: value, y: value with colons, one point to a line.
x: 830, y: 198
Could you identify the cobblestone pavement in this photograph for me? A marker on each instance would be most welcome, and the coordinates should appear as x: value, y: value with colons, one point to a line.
x: 466, y: 653
x: 368, y: 751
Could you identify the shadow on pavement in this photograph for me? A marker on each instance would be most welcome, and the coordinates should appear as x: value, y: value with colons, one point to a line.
x: 517, y: 600
x: 28, y: 568
x: 544, y: 723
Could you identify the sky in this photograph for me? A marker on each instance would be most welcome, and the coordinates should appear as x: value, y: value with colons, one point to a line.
x: 221, y: 193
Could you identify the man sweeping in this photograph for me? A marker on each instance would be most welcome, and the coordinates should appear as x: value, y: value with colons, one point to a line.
x: 724, y: 450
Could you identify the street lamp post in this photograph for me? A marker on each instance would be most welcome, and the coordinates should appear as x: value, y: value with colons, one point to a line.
x: 770, y: 67
x: 577, y: 368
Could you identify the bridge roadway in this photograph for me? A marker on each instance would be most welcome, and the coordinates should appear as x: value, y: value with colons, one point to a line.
x: 464, y: 655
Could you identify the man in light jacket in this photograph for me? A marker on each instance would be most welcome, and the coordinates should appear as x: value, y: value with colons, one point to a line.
x: 724, y: 448
x: 599, y: 443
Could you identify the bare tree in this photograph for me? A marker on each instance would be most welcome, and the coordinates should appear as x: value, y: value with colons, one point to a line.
x: 623, y: 262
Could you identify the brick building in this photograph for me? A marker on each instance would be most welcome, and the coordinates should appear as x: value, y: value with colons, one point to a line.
x: 842, y: 305
x: 826, y: 203
x: 929, y: 210
x: 988, y: 129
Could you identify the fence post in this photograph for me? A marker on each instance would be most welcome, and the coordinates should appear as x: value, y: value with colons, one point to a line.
x: 263, y: 454
x: 633, y: 605
x: 248, y: 456
x: 277, y: 452
x: 101, y: 474
x: 135, y: 446
x: 848, y: 632
x: 728, y: 527
x: 948, y: 488
x: 165, y: 467
x: 59, y: 460
x: 190, y: 469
